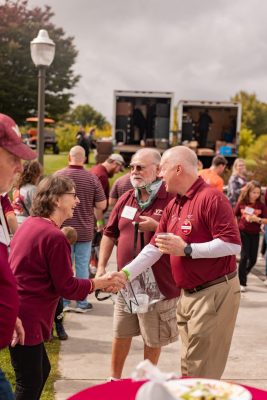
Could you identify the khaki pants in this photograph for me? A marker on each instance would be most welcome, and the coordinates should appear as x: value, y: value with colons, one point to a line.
x: 206, y: 321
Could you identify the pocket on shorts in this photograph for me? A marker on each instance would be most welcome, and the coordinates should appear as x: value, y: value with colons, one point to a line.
x: 168, y: 327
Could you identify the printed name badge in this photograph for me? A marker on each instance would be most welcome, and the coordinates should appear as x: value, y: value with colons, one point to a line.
x: 186, y: 227
x: 129, y: 212
x: 249, y: 210
x: 2, y: 236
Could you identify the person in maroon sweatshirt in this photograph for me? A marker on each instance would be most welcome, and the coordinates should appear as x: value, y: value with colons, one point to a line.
x: 12, y: 150
x: 40, y: 259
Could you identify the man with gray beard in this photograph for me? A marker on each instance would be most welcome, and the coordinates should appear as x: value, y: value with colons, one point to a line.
x: 131, y: 225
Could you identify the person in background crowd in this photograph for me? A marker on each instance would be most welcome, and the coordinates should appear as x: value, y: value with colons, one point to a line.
x: 91, y: 195
x: 72, y: 236
x: 119, y: 187
x: 12, y: 151
x: 25, y: 189
x: 10, y: 216
x: 212, y: 175
x: 113, y: 164
x: 237, y: 180
x: 251, y: 214
x: 204, y: 122
x: 82, y: 140
x: 143, y: 205
x: 202, y: 242
x: 43, y: 271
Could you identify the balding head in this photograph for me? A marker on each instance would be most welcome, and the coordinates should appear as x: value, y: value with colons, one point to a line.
x: 182, y: 155
x: 152, y: 154
x: 179, y: 169
x: 76, y: 155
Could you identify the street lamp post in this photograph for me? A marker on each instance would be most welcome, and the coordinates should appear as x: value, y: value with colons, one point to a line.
x: 42, y: 53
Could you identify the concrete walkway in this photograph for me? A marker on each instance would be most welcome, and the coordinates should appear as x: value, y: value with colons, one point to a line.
x: 85, y: 357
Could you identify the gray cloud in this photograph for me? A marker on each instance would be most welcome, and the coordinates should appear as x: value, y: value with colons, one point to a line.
x: 198, y: 49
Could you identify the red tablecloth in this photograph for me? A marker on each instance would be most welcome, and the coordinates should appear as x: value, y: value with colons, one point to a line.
x: 126, y: 390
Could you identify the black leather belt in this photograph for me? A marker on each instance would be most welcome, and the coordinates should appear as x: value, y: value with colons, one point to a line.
x: 212, y: 283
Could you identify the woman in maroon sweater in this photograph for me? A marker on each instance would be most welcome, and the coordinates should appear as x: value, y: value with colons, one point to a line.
x: 40, y: 259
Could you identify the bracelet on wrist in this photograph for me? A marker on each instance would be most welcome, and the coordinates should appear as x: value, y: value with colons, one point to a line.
x: 100, y: 222
x: 92, y: 285
x: 127, y: 273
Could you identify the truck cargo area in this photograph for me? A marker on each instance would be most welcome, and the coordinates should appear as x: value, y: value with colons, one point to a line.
x: 142, y: 117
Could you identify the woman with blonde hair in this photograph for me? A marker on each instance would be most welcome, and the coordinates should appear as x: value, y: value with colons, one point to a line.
x: 25, y: 189
x: 237, y: 180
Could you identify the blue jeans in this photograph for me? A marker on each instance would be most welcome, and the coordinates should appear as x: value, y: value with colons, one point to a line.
x: 5, y: 388
x: 81, y: 252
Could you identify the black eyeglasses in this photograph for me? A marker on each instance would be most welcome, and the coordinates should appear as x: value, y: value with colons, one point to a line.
x: 137, y: 167
x: 73, y: 194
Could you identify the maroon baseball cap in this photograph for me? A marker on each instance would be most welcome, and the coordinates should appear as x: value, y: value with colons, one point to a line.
x: 10, y: 139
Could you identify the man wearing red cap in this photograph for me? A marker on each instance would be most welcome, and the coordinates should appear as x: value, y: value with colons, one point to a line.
x: 12, y: 150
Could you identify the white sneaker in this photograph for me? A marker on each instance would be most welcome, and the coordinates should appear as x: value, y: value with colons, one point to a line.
x: 111, y: 379
x: 242, y: 289
x: 68, y: 309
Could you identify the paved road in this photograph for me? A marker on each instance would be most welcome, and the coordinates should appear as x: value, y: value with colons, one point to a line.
x: 85, y: 357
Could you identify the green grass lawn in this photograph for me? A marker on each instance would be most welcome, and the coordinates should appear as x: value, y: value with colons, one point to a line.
x: 52, y: 348
x: 54, y: 162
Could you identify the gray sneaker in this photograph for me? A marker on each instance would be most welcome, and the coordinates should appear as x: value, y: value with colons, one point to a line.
x: 84, y: 309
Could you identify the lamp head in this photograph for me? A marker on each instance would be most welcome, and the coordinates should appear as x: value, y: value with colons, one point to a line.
x: 42, y: 49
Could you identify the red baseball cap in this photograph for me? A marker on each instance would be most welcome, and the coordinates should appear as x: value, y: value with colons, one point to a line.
x: 10, y: 139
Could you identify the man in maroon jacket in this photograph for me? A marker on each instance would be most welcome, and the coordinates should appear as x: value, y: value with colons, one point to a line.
x: 12, y: 150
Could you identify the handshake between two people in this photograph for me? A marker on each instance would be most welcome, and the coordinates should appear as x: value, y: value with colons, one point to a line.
x: 110, y: 282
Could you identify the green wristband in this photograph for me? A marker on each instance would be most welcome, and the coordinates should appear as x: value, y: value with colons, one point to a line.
x: 127, y: 273
x: 100, y: 222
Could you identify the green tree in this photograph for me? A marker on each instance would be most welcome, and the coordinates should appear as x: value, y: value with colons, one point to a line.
x: 254, y: 112
x: 246, y: 140
x: 18, y: 75
x: 258, y: 151
x: 87, y: 115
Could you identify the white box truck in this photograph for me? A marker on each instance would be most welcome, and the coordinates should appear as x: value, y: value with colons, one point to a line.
x: 210, y: 127
x: 141, y: 119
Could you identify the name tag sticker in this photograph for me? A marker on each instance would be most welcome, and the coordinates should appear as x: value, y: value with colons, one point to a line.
x: 249, y: 210
x: 2, y: 236
x: 129, y: 212
x: 186, y: 227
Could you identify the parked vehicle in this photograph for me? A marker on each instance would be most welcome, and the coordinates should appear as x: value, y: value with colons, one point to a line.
x: 145, y: 118
x: 210, y: 127
x: 50, y: 141
x: 141, y: 118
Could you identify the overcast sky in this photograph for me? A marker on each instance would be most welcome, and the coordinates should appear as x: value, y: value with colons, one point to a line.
x: 198, y: 49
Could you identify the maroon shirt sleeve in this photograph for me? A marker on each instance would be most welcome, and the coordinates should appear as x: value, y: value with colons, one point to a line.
x: 237, y: 210
x: 60, y: 267
x: 9, y: 302
x: 220, y: 219
x: 99, y: 191
x: 6, y: 204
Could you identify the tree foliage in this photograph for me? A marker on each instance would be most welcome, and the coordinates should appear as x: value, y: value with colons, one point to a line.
x: 18, y: 75
x: 254, y: 112
x: 86, y: 115
x: 246, y: 140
